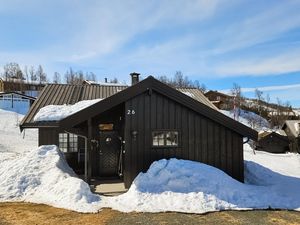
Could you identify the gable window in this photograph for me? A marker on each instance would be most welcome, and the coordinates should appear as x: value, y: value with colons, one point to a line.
x: 68, y: 142
x: 165, y: 138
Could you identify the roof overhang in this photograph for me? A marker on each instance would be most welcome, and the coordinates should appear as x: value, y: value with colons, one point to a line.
x: 150, y: 84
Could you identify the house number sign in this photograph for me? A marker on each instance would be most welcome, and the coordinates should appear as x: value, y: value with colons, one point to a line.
x: 130, y: 112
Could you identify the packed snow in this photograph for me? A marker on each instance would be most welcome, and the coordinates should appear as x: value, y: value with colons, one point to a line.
x: 272, y: 181
x: 59, y: 112
x: 249, y: 119
x: 11, y: 140
x: 192, y: 187
x: 45, y: 178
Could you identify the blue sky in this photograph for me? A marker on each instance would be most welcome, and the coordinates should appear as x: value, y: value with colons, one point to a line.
x: 218, y: 42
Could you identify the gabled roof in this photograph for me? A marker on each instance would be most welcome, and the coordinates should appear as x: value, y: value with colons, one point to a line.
x: 196, y: 94
x: 151, y: 84
x: 275, y: 135
x: 294, y: 126
x: 17, y: 93
x: 60, y: 94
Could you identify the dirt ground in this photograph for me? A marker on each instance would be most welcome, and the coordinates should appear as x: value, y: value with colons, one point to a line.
x: 30, y: 214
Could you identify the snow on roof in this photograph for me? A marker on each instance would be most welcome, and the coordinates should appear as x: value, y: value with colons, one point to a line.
x: 59, y: 112
x: 91, y: 82
x: 188, y: 94
x: 293, y: 125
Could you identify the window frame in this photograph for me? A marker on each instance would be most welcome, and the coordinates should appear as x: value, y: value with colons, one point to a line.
x: 70, y: 140
x: 165, y: 132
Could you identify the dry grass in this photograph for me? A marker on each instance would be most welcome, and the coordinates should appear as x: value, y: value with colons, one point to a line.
x: 30, y: 214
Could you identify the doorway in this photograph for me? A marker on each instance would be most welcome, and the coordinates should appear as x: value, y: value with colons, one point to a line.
x: 109, y: 153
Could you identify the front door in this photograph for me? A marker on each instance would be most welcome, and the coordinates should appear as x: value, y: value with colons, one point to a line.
x: 109, y: 152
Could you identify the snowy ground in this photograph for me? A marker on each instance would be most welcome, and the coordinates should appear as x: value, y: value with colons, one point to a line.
x: 41, y: 175
x: 249, y: 119
x: 11, y: 140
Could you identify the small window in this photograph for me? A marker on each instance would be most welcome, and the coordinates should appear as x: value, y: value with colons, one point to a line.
x: 68, y: 142
x: 106, y: 126
x: 165, y: 138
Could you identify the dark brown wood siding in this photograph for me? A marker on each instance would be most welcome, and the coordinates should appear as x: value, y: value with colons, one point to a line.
x: 200, y: 139
x: 48, y: 136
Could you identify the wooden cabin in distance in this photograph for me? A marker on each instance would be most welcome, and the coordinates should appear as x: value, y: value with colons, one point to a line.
x: 131, y: 127
x: 220, y: 100
x: 273, y: 142
x: 292, y: 130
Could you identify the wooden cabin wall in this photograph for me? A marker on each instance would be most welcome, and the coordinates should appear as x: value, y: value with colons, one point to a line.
x: 48, y: 136
x: 200, y: 139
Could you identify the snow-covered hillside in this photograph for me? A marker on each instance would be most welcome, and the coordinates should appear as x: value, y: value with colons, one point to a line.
x: 11, y: 140
x: 249, y: 119
x: 41, y: 175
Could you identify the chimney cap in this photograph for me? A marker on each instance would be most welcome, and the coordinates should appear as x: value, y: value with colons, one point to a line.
x: 135, y: 74
x: 134, y: 78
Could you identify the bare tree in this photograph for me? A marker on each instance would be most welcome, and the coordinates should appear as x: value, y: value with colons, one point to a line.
x: 12, y: 70
x: 114, y: 81
x: 25, y: 72
x: 32, y: 74
x: 90, y: 76
x: 260, y: 99
x: 56, y: 78
x: 237, y: 99
x: 41, y: 75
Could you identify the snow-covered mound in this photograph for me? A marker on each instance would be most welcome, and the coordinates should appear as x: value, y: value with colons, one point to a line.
x: 11, y: 140
x: 43, y: 176
x: 186, y: 186
x: 58, y: 112
x: 249, y: 119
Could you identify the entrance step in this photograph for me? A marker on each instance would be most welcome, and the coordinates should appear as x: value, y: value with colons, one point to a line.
x: 108, y: 187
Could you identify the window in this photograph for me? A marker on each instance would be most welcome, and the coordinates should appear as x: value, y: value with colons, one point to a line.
x: 68, y: 142
x: 165, y: 138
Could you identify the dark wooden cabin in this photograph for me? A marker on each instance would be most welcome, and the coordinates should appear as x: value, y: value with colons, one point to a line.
x: 273, y: 142
x: 134, y: 126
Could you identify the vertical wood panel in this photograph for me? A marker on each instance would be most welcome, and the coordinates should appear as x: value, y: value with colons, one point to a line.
x: 223, y: 159
x: 198, y: 139
x: 210, y: 139
x: 184, y: 134
x: 229, y: 151
x: 201, y: 139
x: 147, y: 137
x: 204, y: 140
x: 217, y: 146
x: 191, y: 135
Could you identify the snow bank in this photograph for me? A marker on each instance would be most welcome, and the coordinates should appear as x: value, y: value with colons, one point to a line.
x: 249, y: 119
x: 43, y: 176
x: 58, y: 112
x: 11, y: 140
x: 192, y: 187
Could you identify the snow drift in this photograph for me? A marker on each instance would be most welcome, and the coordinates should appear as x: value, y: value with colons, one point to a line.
x: 58, y: 112
x: 249, y: 119
x: 186, y: 186
x: 43, y: 176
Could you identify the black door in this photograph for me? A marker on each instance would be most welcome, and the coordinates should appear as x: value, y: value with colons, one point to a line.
x: 109, y: 153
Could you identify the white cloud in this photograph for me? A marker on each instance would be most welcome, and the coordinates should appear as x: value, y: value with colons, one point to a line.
x: 262, y: 65
x: 273, y: 88
x: 108, y: 27
x: 259, y: 28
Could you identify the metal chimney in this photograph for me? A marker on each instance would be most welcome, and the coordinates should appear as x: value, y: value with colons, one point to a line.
x: 134, y: 78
